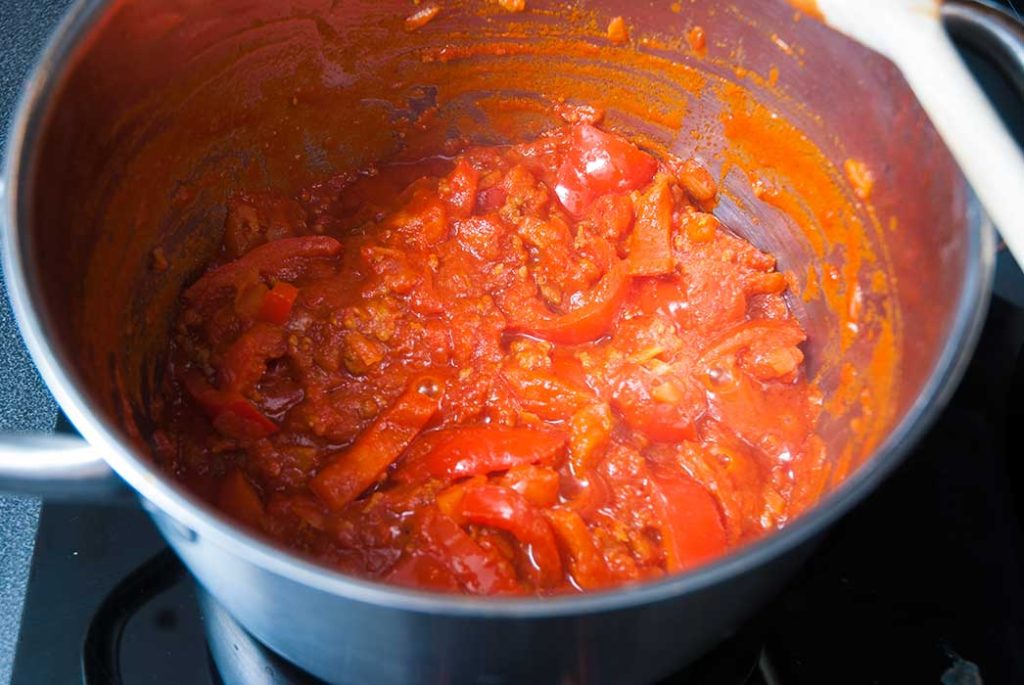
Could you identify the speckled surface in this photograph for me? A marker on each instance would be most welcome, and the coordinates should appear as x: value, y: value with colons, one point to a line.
x: 25, y: 404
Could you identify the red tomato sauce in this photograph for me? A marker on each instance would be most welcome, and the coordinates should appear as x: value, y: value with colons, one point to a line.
x: 527, y: 369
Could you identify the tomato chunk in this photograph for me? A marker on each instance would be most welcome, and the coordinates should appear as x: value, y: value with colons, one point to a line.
x: 590, y: 430
x: 665, y: 408
x: 352, y: 471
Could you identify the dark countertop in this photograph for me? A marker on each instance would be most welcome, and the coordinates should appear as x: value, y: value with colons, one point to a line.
x: 25, y: 403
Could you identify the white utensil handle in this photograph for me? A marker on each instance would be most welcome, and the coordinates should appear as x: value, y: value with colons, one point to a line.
x: 910, y: 33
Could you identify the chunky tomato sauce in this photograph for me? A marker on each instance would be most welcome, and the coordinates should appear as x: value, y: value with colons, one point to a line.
x: 532, y: 369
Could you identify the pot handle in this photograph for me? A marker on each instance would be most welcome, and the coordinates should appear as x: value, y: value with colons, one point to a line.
x: 911, y: 34
x: 58, y: 466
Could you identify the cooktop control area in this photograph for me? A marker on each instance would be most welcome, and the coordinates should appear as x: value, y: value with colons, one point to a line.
x: 921, y: 583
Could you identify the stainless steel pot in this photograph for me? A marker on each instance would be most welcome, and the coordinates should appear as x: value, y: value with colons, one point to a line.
x: 141, y: 117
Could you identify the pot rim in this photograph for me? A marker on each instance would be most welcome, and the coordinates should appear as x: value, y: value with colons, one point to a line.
x: 181, y: 506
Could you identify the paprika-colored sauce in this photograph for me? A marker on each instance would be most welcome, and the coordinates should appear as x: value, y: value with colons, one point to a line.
x: 527, y: 369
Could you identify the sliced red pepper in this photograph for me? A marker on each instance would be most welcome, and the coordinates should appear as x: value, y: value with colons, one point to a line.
x: 350, y: 472
x: 504, y: 508
x: 231, y: 414
x: 211, y: 401
x: 237, y: 496
x: 281, y: 260
x: 239, y: 419
x: 458, y: 190
x: 691, y: 523
x: 277, y: 303
x: 599, y: 163
x: 245, y: 361
x: 587, y: 566
x: 479, y: 571
x: 587, y: 322
x: 478, y: 450
x: 650, y: 244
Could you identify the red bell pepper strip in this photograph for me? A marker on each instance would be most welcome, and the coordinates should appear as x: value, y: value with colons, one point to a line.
x: 350, y: 472
x: 588, y: 321
x: 478, y: 450
x: 650, y: 243
x: 277, y: 303
x: 478, y: 570
x: 691, y: 523
x: 231, y: 414
x: 239, y: 419
x: 600, y: 163
x: 587, y: 566
x: 245, y: 361
x: 504, y: 508
x: 281, y: 259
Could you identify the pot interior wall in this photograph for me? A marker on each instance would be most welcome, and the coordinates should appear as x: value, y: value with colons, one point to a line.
x: 168, y: 107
